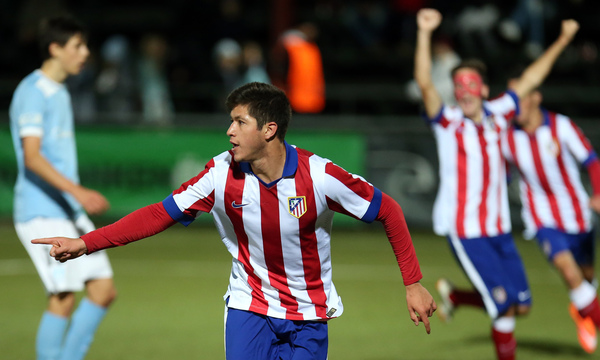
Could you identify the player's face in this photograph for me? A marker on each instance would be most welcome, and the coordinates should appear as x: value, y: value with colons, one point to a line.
x: 73, y: 54
x: 247, y: 139
x: 468, y: 90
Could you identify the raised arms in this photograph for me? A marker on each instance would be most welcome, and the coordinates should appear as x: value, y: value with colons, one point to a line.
x: 427, y: 21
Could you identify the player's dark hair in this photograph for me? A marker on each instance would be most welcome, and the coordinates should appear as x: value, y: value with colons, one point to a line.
x: 266, y: 103
x: 473, y: 64
x: 57, y: 29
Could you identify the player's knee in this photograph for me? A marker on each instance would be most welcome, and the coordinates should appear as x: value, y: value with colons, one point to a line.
x: 102, y: 292
x: 522, y: 310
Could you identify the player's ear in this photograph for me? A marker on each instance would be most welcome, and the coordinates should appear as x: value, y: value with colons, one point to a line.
x: 54, y: 49
x: 537, y: 97
x: 485, y: 91
x: 270, y: 130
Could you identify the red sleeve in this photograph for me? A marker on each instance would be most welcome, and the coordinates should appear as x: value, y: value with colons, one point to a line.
x: 593, y: 169
x: 142, y: 223
x: 392, y: 218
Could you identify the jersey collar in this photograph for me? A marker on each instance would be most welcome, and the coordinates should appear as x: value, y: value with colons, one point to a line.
x: 289, y: 169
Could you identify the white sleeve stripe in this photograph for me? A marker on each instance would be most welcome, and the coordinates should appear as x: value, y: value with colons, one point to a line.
x: 31, y: 131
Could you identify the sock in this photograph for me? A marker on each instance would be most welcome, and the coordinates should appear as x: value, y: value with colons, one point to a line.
x: 462, y: 297
x: 583, y: 295
x: 50, y: 336
x: 84, y: 324
x: 592, y: 311
x: 504, y: 340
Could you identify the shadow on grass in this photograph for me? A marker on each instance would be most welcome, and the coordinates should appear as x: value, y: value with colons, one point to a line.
x: 552, y: 347
x: 549, y: 347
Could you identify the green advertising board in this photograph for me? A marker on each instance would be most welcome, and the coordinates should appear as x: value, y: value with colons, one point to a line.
x: 135, y: 167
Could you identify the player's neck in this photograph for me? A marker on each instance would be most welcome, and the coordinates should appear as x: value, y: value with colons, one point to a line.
x: 53, y: 69
x: 534, y: 121
x: 269, y: 167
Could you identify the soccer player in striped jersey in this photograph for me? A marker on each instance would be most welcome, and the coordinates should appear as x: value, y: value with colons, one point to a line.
x: 547, y: 149
x: 273, y: 204
x: 48, y: 198
x: 471, y: 207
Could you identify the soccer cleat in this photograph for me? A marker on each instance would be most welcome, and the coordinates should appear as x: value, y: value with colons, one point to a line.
x: 586, y: 330
x: 446, y: 309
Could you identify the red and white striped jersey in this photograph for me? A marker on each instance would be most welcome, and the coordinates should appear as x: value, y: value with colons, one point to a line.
x: 551, y: 191
x: 278, y: 233
x: 472, y: 199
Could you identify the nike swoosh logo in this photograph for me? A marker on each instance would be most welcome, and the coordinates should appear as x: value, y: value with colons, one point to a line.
x: 237, y: 206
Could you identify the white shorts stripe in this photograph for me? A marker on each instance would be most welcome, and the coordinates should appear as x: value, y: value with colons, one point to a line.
x: 474, y: 276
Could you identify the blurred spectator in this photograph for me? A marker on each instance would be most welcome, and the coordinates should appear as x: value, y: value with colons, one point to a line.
x: 476, y: 25
x: 297, y: 68
x: 527, y: 17
x: 444, y: 59
x: 115, y: 84
x: 227, y: 55
x: 366, y: 20
x: 254, y: 69
x: 157, y: 106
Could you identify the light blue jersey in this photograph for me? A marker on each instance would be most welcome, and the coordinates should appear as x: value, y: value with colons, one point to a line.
x: 42, y: 107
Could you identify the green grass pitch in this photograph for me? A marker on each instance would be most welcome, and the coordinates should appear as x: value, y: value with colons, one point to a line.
x: 170, y: 302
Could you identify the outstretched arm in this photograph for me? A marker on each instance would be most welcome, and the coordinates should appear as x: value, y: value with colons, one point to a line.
x: 534, y: 74
x: 427, y: 21
x: 142, y: 223
x: 420, y: 303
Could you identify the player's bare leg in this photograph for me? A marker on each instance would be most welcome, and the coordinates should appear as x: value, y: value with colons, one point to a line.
x: 584, y: 302
x: 101, y: 292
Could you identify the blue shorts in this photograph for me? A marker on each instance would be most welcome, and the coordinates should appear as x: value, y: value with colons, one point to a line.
x: 553, y: 241
x: 250, y: 336
x: 495, y: 269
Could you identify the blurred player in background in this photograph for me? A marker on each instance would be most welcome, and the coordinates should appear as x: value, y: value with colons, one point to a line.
x: 471, y: 208
x: 49, y: 199
x: 547, y: 148
x: 273, y: 205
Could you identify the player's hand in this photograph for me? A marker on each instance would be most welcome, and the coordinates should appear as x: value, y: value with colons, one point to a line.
x: 568, y: 29
x: 595, y: 203
x: 63, y: 248
x: 428, y: 19
x: 92, y: 201
x: 421, y: 305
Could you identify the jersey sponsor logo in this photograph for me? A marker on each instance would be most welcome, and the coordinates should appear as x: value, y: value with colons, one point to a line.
x: 297, y: 206
x: 237, y: 206
x: 331, y: 312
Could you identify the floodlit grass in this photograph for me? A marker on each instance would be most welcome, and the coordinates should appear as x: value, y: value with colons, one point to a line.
x: 170, y: 302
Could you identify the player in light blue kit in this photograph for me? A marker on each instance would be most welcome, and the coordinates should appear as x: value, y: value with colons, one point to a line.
x: 49, y: 199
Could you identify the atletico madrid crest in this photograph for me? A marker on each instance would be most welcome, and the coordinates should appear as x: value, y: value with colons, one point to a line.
x: 297, y: 206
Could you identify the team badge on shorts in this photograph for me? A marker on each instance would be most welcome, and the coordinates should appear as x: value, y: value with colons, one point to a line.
x: 297, y: 206
x: 499, y: 294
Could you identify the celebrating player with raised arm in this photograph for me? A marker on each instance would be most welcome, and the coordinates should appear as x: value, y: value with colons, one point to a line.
x: 471, y: 207
x: 273, y: 204
x: 547, y: 149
